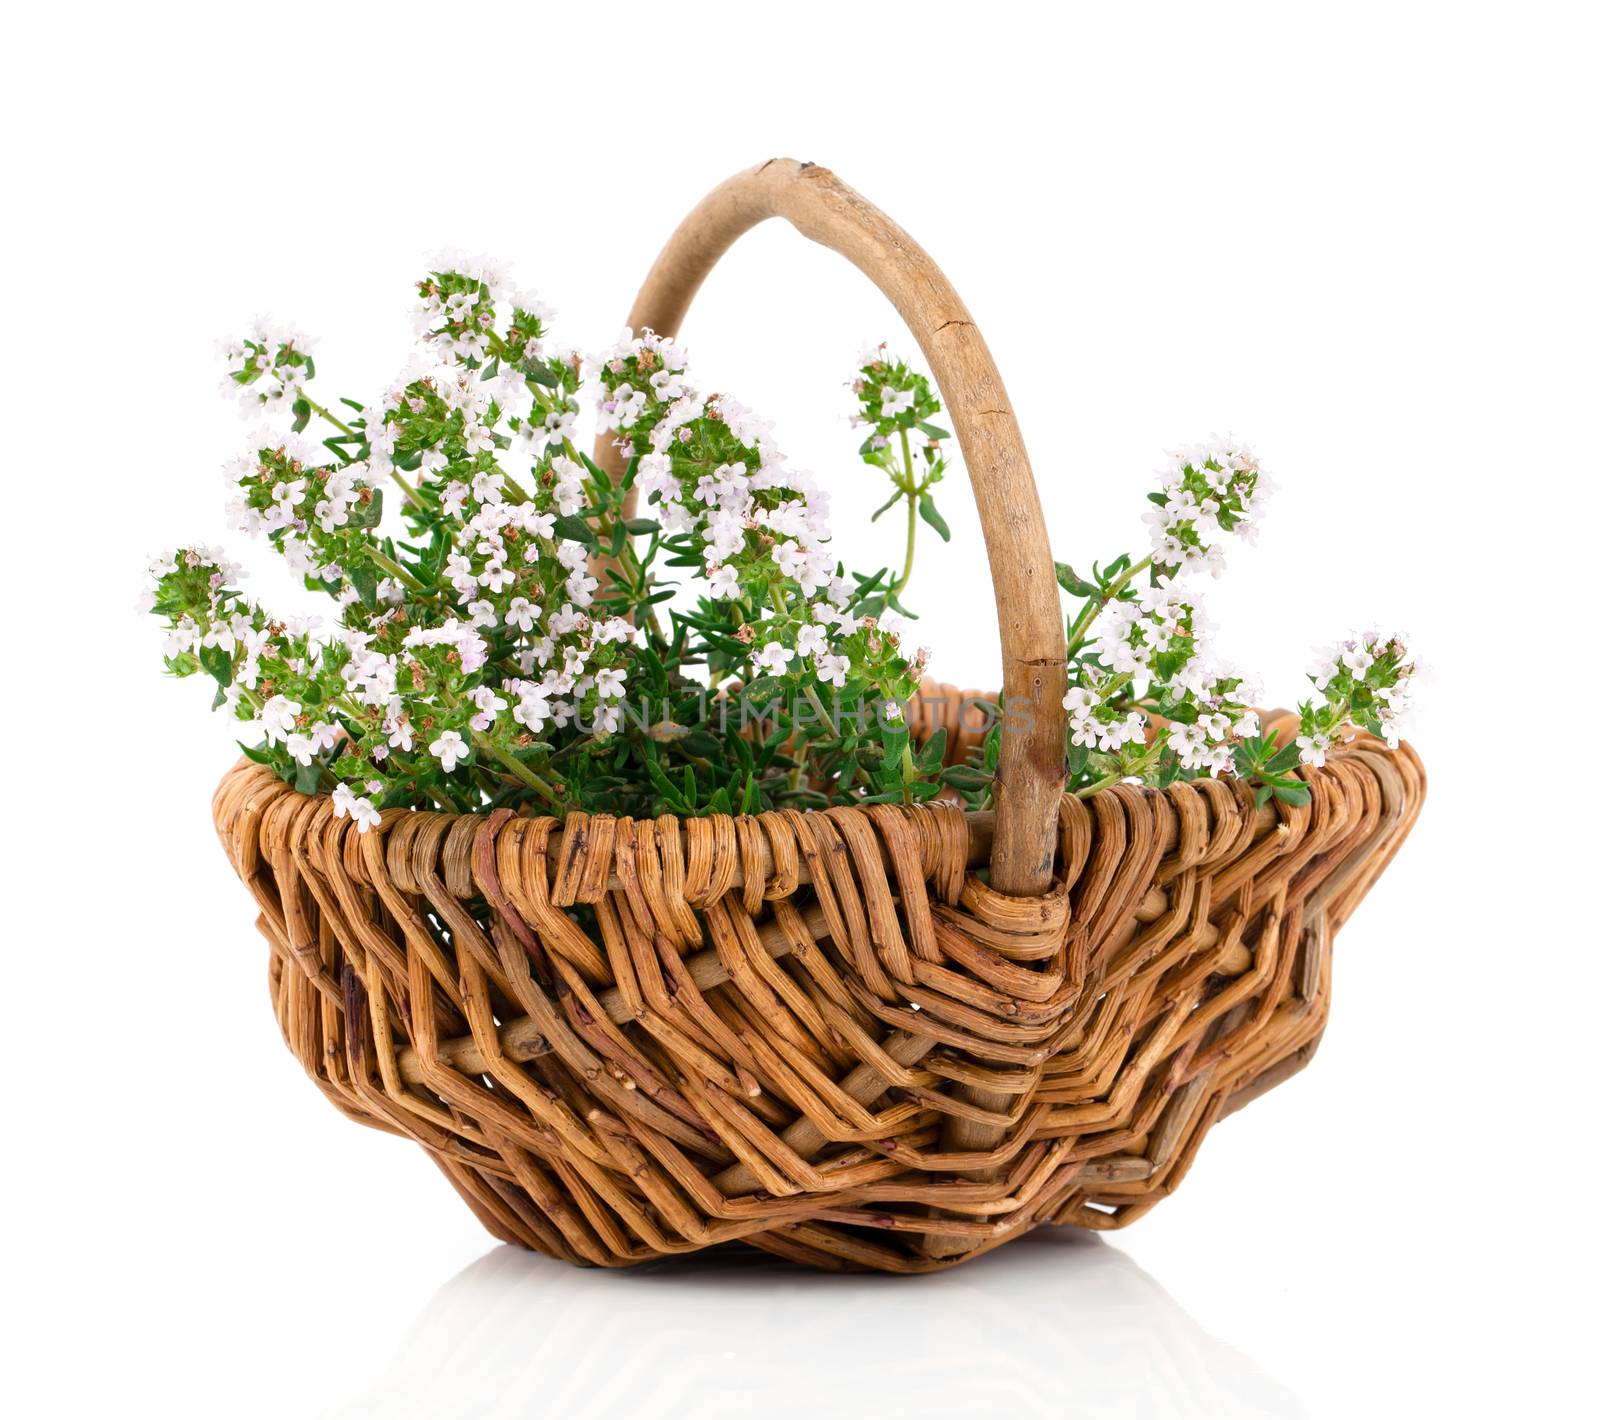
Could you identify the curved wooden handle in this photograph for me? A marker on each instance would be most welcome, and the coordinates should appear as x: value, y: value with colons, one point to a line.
x: 1032, y: 641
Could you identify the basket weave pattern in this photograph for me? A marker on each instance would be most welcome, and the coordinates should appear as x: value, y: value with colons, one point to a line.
x: 866, y: 1037
x: 621, y: 1039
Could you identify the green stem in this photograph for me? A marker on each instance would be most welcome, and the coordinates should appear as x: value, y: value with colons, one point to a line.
x: 443, y: 800
x: 518, y: 769
x: 913, y: 496
x: 1097, y: 786
x: 332, y: 418
x: 825, y: 717
x: 1080, y: 633
x: 394, y: 569
x: 410, y: 492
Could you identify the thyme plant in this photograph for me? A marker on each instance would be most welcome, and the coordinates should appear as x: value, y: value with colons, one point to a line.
x: 511, y: 640
x: 506, y: 629
x: 1150, y: 701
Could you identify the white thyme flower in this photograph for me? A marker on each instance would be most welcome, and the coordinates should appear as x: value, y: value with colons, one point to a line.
x: 895, y: 402
x: 360, y: 810
x: 1314, y: 749
x: 832, y: 669
x: 774, y: 657
x: 448, y: 749
x: 278, y: 718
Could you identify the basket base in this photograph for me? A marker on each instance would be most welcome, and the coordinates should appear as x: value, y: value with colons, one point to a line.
x: 623, y: 1041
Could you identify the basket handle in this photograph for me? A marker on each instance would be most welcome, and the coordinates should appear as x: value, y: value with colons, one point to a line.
x: 1031, y: 774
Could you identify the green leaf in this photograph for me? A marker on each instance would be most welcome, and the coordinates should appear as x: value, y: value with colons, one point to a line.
x: 930, y: 758
x: 930, y: 515
x: 308, y: 777
x: 964, y: 776
x: 543, y: 375
x: 368, y: 514
x: 899, y: 493
x: 1070, y: 581
x: 576, y: 529
x: 1293, y: 792
x: 1284, y: 760
x: 933, y: 431
x: 1077, y: 757
x: 301, y: 410
x: 364, y: 578
x: 218, y: 663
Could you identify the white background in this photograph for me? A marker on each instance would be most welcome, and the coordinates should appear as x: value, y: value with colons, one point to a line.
x: 1363, y: 238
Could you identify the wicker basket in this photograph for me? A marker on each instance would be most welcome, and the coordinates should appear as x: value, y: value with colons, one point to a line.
x: 859, y: 1038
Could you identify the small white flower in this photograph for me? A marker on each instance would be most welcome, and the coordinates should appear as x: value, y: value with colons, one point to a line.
x: 1313, y: 749
x: 895, y: 402
x: 1358, y: 658
x: 361, y: 810
x: 489, y: 705
x: 447, y: 749
x: 522, y: 614
x: 774, y: 656
x: 790, y: 557
x: 496, y: 577
x: 614, y: 628
x: 832, y: 670
x: 533, y: 707
x: 278, y: 717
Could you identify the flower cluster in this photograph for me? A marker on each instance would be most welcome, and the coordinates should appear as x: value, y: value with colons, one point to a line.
x: 726, y: 497
x: 1364, y: 683
x: 1159, y: 639
x: 897, y: 405
x: 266, y: 370
x: 504, y: 631
x: 1206, y: 492
x: 1149, y: 700
x: 514, y: 640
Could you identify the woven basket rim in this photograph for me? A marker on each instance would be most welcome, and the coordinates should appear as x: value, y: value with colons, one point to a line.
x: 1362, y: 745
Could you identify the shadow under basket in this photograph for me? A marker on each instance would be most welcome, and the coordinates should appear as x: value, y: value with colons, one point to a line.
x: 863, y: 1037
